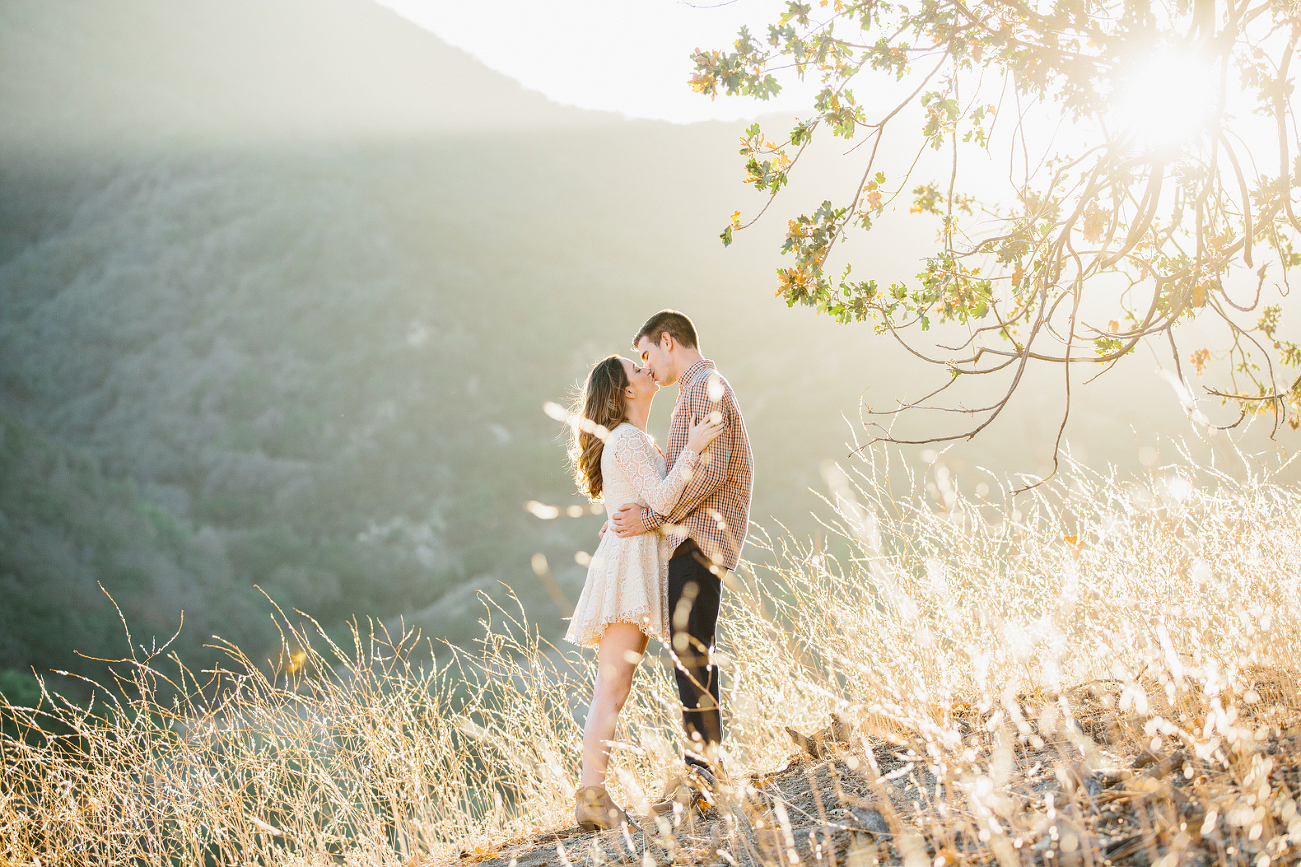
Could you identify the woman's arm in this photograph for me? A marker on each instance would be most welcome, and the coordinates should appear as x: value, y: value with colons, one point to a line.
x: 635, y: 456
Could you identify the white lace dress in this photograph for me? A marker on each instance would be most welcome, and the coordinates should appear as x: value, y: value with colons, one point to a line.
x: 627, y: 581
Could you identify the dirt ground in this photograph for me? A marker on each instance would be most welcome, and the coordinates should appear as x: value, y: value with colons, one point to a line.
x: 1073, y: 800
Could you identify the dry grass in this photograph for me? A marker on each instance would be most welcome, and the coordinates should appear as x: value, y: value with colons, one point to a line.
x: 1089, y: 621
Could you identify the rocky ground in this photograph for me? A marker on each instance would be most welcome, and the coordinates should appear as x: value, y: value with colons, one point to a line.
x: 1072, y: 794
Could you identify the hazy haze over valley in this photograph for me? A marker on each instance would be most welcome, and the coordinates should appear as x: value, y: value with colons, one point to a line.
x: 283, y: 289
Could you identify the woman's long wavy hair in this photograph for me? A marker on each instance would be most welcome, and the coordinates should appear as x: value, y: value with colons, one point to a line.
x: 601, y: 409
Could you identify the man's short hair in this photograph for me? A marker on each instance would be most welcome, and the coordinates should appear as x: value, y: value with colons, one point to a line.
x: 675, y: 324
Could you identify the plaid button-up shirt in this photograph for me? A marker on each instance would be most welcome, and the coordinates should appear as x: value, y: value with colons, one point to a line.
x: 714, y: 510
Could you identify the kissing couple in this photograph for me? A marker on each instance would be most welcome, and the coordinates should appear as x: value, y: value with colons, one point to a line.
x: 676, y: 525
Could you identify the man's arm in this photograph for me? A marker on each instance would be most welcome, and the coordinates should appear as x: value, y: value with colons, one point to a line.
x: 679, y: 427
x: 711, y: 471
x: 651, y: 520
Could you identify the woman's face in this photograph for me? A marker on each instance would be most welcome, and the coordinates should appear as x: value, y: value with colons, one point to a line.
x: 642, y: 384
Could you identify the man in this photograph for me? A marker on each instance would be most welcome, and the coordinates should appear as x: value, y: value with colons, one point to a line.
x: 708, y: 525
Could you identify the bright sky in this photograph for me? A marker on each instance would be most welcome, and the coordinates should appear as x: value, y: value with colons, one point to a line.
x: 629, y: 56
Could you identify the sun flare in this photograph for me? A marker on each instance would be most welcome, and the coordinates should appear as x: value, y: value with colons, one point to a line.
x: 1168, y: 99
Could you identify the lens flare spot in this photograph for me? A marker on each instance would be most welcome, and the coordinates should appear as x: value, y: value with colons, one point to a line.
x: 1167, y: 99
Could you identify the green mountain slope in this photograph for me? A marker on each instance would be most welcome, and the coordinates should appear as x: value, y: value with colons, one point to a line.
x: 73, y: 542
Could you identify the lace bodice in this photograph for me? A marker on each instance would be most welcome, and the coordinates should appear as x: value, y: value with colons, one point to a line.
x: 632, y: 471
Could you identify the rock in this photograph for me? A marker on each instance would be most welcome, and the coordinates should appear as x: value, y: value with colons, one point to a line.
x: 806, y: 743
x: 1074, y: 778
x: 819, y: 744
x: 1158, y: 766
x: 842, y: 729
x: 866, y: 819
x: 1145, y: 758
x: 1113, y: 776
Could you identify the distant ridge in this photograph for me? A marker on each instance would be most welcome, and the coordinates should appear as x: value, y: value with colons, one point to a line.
x: 95, y: 76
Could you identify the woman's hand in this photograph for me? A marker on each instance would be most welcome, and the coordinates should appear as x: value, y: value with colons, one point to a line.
x: 705, y: 431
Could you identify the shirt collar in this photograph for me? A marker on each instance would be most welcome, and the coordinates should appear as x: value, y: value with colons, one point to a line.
x: 697, y: 369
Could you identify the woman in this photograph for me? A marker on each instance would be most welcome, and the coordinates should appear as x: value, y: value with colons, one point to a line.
x: 625, y: 599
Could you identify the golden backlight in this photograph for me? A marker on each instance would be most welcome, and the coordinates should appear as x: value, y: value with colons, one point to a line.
x: 1169, y: 98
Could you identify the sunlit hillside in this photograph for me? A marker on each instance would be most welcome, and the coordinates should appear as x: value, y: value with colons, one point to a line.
x: 284, y: 287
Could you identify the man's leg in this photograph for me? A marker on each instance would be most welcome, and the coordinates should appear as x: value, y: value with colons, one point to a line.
x: 694, y: 594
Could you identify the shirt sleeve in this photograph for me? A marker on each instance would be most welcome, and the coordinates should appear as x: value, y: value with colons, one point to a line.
x: 679, y: 427
x: 711, y: 473
x: 636, y: 458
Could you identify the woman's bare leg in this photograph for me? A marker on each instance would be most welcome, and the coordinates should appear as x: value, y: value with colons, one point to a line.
x: 617, y: 656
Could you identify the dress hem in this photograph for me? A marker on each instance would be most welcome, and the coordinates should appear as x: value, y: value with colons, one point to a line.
x: 592, y: 634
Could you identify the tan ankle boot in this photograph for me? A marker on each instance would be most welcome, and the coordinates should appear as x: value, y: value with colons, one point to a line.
x: 595, y: 811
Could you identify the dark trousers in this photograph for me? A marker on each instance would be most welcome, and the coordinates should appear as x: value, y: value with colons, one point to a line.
x: 694, y: 593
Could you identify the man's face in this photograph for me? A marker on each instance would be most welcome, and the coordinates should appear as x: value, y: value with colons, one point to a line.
x: 656, y: 359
